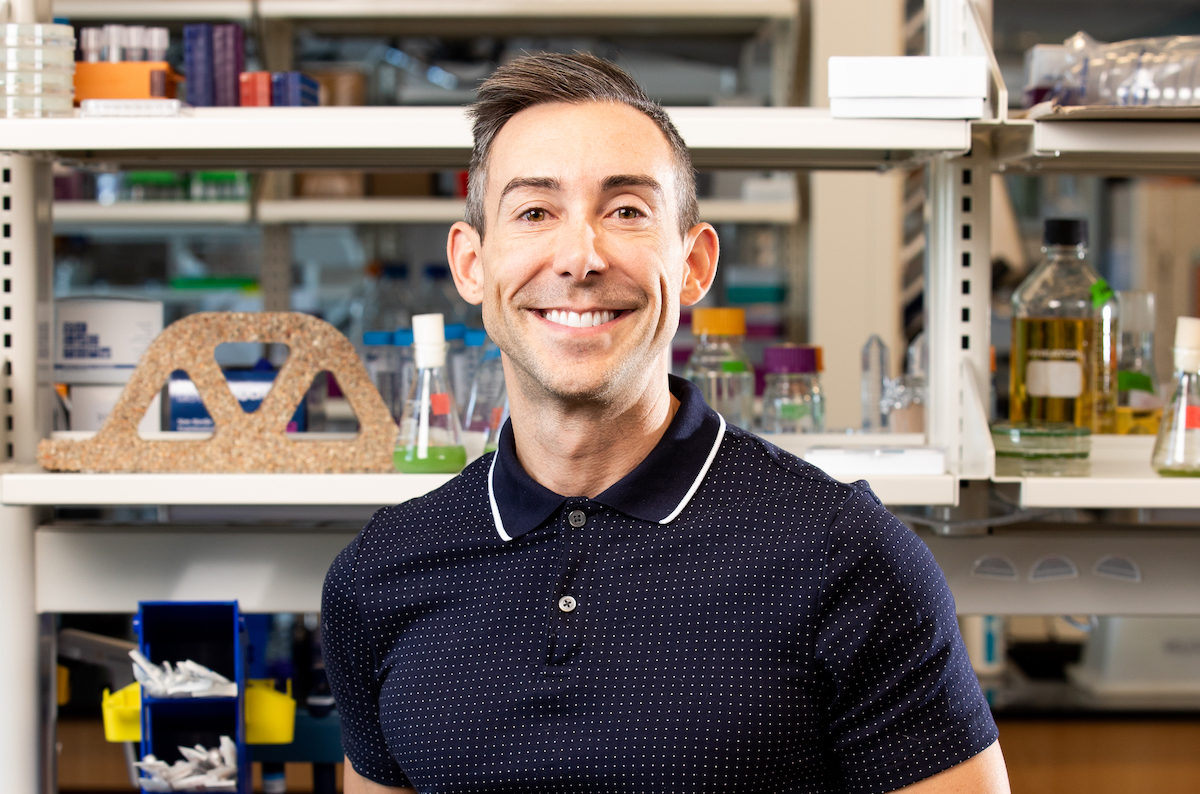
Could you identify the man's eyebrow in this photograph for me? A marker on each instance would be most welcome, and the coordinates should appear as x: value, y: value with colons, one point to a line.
x: 543, y: 182
x: 630, y: 180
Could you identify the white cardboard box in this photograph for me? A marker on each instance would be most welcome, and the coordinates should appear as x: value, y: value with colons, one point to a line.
x: 907, y: 76
x: 907, y: 87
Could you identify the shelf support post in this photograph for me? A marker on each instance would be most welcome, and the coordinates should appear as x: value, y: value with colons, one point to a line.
x: 26, y: 342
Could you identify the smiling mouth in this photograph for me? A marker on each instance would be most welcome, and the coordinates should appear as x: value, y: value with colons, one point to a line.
x: 580, y: 320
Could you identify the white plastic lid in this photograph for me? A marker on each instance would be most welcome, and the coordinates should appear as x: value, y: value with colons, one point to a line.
x: 429, y: 340
x: 1187, y: 332
x: 1187, y: 344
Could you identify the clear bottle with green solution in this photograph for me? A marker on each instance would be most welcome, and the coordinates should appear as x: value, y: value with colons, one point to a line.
x: 1177, y: 448
x: 430, y: 440
x: 719, y: 365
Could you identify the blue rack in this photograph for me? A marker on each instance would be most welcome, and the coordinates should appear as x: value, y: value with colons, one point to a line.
x: 211, y: 633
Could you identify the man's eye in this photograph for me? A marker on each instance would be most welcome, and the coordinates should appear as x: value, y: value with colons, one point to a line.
x: 535, y: 215
x: 629, y: 213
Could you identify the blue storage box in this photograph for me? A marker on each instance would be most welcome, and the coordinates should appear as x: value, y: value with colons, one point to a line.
x: 211, y: 633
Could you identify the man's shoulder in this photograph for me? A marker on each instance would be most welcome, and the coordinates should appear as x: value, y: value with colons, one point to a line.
x: 750, y: 456
x: 459, y: 503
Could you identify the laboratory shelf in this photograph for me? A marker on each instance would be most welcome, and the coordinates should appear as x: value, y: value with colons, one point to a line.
x: 34, y: 486
x: 380, y: 137
x: 83, y: 568
x: 1166, y: 561
x: 1120, y: 477
x: 364, y: 210
x: 587, y: 15
x: 91, y: 212
x: 1113, y: 147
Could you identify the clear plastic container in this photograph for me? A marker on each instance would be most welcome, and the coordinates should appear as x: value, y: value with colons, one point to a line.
x: 1064, y: 349
x: 32, y: 82
x: 36, y: 59
x: 487, y: 403
x: 437, y: 293
x: 403, y: 342
x: 430, y: 440
x: 792, y: 401
x: 456, y: 357
x: 382, y: 360
x: 1055, y: 449
x: 387, y: 306
x: 719, y: 365
x: 47, y: 36
x: 1177, y: 449
x: 37, y: 106
x: 1139, y: 406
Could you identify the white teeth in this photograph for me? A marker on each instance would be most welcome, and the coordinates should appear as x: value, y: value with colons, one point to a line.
x: 577, y: 320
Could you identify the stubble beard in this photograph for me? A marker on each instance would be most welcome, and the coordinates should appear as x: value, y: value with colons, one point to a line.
x: 546, y: 382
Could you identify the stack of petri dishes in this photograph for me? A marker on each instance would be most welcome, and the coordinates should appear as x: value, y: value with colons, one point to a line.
x: 38, y: 71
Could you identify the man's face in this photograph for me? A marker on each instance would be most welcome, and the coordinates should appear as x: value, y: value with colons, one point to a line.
x: 583, y: 264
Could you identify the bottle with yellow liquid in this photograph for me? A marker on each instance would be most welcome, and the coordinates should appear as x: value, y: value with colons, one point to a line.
x: 431, y: 439
x: 1064, y: 353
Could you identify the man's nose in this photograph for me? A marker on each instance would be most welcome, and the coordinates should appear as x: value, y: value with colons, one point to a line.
x: 579, y: 251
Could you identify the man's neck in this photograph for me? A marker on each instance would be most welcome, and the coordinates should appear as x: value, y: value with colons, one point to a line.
x: 582, y: 450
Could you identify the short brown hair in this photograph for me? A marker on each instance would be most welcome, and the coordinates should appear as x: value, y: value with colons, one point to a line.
x: 553, y: 77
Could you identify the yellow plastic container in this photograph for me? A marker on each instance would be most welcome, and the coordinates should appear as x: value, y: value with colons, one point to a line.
x: 122, y: 712
x: 270, y: 714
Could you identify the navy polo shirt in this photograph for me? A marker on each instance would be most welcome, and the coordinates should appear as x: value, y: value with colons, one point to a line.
x: 724, y: 618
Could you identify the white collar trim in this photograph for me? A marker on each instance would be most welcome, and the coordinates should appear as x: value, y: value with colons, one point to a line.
x: 712, y: 455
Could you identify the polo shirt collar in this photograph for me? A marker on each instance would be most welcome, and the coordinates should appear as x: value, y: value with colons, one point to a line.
x: 658, y: 489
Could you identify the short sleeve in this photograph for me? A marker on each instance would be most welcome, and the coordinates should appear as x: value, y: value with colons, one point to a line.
x: 904, y: 703
x: 350, y: 665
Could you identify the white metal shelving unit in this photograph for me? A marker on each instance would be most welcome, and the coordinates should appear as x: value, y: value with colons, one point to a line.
x: 354, y: 210
x: 366, y: 137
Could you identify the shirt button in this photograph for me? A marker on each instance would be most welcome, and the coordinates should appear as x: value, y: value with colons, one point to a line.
x: 567, y: 604
x: 577, y: 518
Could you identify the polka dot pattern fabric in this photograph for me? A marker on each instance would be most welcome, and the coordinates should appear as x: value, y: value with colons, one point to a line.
x: 783, y: 633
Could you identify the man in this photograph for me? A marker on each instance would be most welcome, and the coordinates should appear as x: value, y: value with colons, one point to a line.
x: 630, y: 595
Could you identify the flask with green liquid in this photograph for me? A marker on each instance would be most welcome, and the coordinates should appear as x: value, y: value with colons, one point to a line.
x: 430, y: 440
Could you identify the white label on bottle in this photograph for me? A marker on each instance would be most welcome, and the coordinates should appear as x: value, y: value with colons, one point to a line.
x: 1054, y: 379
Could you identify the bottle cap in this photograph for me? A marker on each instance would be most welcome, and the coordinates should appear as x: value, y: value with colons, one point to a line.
x: 790, y: 359
x: 455, y: 331
x: 1136, y: 311
x: 724, y: 322
x: 820, y: 353
x: 429, y: 340
x: 377, y: 338
x: 1187, y: 332
x: 475, y: 337
x: 1065, y: 231
x: 403, y: 337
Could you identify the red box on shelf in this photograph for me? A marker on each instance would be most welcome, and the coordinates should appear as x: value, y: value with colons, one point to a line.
x: 255, y: 89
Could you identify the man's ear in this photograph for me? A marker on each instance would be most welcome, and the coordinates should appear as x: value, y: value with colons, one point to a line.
x: 463, y: 248
x: 702, y: 249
